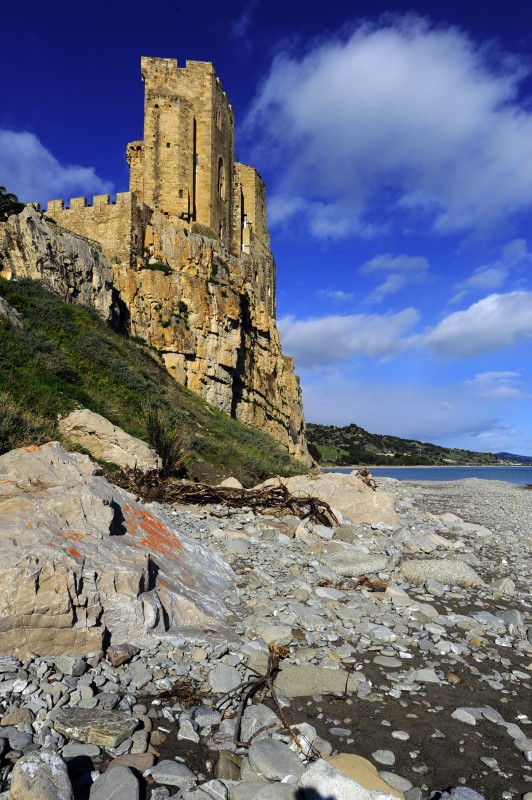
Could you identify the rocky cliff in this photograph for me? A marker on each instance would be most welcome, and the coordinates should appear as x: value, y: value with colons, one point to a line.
x: 186, y: 297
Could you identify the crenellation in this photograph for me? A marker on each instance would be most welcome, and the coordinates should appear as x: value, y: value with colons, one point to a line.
x: 55, y: 206
x: 77, y: 203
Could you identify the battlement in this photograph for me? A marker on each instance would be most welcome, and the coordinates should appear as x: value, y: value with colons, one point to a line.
x: 116, y: 226
x: 100, y: 202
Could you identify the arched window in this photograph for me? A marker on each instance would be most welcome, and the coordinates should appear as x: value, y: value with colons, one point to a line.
x: 221, y: 178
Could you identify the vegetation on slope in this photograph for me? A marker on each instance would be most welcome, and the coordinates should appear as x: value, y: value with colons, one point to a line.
x: 352, y: 445
x: 65, y: 357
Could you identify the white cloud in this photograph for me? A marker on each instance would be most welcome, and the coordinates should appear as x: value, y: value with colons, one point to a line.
x: 493, y: 276
x: 491, y: 324
x: 396, y: 116
x: 240, y: 27
x: 414, y: 411
x: 498, y: 385
x: 31, y: 172
x: 400, y: 271
x: 336, y: 295
x: 332, y: 339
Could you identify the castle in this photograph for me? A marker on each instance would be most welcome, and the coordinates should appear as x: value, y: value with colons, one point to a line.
x: 185, y: 169
x: 190, y: 252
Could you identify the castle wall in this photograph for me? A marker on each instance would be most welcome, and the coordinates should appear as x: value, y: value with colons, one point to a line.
x: 254, y: 191
x: 253, y: 238
x: 118, y: 227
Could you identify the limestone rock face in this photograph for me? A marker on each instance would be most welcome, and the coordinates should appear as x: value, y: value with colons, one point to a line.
x: 207, y: 314
x: 73, y: 267
x: 108, y: 442
x: 79, y: 557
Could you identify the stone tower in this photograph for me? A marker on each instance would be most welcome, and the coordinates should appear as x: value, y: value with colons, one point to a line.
x: 184, y: 166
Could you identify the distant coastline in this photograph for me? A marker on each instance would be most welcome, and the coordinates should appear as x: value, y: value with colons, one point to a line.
x: 519, y: 474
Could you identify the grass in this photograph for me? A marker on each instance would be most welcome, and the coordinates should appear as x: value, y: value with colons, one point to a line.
x: 65, y: 357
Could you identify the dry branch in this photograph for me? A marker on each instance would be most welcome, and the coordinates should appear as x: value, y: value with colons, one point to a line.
x: 275, y: 499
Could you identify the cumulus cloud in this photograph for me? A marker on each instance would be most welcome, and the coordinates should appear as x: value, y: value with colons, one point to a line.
x: 491, y: 324
x: 34, y: 174
x: 332, y: 339
x: 495, y: 385
x: 399, y: 271
x: 395, y: 117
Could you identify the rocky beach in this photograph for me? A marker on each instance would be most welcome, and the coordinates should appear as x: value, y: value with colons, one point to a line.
x: 403, y: 638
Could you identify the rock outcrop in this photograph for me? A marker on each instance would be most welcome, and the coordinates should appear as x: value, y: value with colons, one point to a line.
x: 198, y: 306
x: 107, y: 442
x: 73, y: 267
x: 346, y: 494
x: 188, y: 298
x: 81, y: 559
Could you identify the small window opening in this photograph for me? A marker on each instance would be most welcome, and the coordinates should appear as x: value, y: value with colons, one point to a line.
x: 180, y: 193
x: 221, y: 178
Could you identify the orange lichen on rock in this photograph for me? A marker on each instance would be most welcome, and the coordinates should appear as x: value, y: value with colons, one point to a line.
x: 73, y: 536
x: 73, y: 552
x: 156, y: 538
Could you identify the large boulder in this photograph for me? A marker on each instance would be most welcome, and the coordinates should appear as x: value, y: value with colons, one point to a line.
x: 79, y: 557
x: 108, y: 442
x: 346, y: 493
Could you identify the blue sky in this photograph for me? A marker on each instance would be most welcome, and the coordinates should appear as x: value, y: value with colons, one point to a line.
x: 396, y: 144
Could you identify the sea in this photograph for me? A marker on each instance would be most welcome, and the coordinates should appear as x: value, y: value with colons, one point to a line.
x: 511, y: 474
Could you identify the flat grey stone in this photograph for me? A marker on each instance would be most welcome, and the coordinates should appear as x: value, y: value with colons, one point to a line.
x: 246, y: 790
x: 388, y: 661
x: 172, y: 773
x: 274, y: 760
x: 464, y: 715
x: 425, y: 675
x: 119, y: 783
x: 307, y: 679
x: 385, y: 757
x: 73, y: 750
x: 254, y: 718
x: 187, y: 731
x: 396, y: 781
x: 452, y: 571
x: 223, y: 678
x: 95, y: 726
x: 71, y: 665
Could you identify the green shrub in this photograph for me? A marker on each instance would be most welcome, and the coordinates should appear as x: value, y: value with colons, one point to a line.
x: 169, y: 442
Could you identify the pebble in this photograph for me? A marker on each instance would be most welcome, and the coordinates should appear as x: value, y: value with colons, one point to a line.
x: 385, y: 757
x: 394, y: 645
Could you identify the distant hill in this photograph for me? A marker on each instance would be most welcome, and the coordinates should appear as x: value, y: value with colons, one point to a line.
x: 352, y: 445
x: 514, y: 458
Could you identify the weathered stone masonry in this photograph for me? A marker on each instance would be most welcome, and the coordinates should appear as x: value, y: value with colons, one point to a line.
x: 190, y: 252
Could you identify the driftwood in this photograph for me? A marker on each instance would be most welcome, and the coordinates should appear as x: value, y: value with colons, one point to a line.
x: 260, y: 683
x: 274, y: 499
